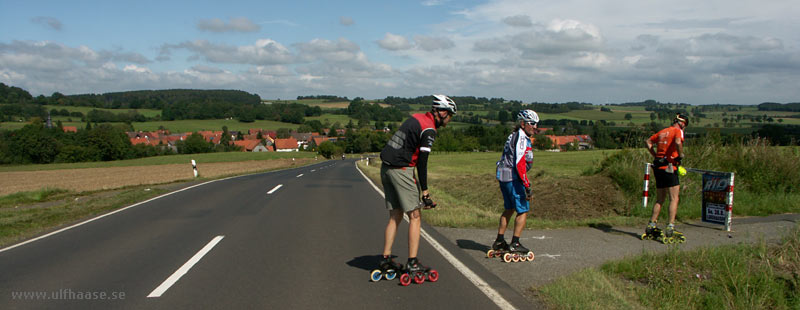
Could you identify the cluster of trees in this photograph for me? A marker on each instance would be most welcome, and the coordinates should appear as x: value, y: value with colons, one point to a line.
x: 772, y: 106
x: 37, y: 144
x: 327, y: 98
x: 361, y: 110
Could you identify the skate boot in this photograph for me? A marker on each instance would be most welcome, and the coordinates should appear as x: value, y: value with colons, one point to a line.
x: 418, y: 272
x: 498, y: 249
x: 387, y: 269
x: 651, y: 232
x: 672, y: 236
x: 517, y: 253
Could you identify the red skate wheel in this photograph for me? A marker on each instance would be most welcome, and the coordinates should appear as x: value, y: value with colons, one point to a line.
x: 490, y: 254
x: 515, y: 258
x: 405, y: 279
x: 507, y: 257
x: 433, y: 275
x: 530, y: 256
x: 419, y: 278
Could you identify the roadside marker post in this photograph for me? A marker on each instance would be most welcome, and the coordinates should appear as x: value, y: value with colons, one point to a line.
x: 194, y: 168
x: 646, y: 185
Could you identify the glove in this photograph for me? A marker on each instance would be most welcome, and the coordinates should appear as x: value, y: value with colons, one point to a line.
x: 678, y: 160
x: 428, y: 202
x: 528, y: 193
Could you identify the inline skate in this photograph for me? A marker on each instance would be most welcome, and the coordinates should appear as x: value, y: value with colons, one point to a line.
x: 671, y: 236
x: 517, y: 253
x: 417, y: 272
x: 498, y: 249
x: 387, y: 269
x: 652, y: 233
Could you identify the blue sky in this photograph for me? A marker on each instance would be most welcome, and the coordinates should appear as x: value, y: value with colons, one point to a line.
x: 698, y: 52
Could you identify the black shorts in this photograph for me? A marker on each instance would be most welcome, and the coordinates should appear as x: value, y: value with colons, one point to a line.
x: 664, y: 179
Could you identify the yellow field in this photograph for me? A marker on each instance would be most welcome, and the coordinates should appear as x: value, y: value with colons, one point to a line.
x: 93, y: 179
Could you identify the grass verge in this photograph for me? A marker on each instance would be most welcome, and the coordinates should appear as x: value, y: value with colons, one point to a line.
x: 745, y: 276
x: 22, y: 222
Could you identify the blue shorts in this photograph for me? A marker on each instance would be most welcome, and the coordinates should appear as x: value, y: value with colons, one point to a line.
x: 514, y: 196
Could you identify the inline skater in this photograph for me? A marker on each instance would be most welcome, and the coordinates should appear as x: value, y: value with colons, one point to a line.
x: 408, y: 148
x: 666, y: 146
x: 512, y: 169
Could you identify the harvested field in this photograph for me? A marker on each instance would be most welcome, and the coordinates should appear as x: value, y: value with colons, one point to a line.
x: 92, y: 179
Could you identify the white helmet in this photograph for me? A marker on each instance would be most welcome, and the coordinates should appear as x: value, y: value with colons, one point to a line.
x: 442, y: 102
x: 529, y: 116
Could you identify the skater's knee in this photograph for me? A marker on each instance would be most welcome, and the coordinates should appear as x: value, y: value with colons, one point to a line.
x: 414, y: 215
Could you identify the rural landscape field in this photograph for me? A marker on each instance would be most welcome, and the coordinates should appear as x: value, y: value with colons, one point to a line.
x: 594, y: 184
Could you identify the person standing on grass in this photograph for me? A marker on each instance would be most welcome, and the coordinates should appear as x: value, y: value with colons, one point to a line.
x: 409, y: 147
x: 666, y: 146
x: 512, y: 174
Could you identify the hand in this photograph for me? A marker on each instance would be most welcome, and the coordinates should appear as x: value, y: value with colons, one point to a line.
x: 528, y: 193
x: 678, y: 160
x: 428, y: 202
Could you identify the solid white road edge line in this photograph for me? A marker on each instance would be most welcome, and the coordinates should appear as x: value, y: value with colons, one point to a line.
x: 184, y: 269
x: 274, y: 189
x: 474, y: 278
x: 109, y: 213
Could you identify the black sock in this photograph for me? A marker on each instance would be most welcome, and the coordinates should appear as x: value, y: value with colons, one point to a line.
x: 412, y: 260
x: 514, y: 240
x: 500, y: 238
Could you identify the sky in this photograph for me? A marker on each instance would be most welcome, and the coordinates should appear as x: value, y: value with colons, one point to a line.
x: 616, y: 51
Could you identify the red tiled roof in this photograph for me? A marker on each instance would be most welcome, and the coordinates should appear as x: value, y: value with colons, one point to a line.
x: 247, y: 145
x: 290, y: 143
x: 70, y: 128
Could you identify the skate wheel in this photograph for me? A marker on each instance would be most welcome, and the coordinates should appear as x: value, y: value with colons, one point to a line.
x: 515, y: 258
x: 507, y: 257
x: 419, y: 278
x: 390, y: 274
x: 433, y: 275
x: 523, y: 258
x: 375, y: 275
x: 530, y: 256
x: 643, y: 236
x: 405, y: 279
x: 490, y: 254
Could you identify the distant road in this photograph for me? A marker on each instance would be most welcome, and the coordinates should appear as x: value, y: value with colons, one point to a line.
x: 303, y: 238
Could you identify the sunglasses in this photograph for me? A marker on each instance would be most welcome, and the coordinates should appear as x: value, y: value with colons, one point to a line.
x: 532, y: 123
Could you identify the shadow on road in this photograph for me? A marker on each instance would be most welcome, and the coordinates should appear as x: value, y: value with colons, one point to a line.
x: 472, y: 245
x: 610, y: 229
x: 366, y: 262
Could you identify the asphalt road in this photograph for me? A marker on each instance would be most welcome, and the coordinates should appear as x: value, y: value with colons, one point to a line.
x: 244, y: 242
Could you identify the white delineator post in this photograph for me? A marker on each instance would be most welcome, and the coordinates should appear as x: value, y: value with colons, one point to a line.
x: 729, y: 207
x: 646, y: 184
x: 194, y: 167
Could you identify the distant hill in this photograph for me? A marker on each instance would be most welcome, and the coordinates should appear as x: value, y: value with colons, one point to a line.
x: 772, y: 106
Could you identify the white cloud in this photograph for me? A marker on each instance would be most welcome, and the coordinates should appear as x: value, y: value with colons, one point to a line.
x: 346, y: 21
x: 47, y: 21
x: 429, y: 43
x: 518, y: 21
x: 236, y: 24
x: 394, y: 42
x: 262, y: 52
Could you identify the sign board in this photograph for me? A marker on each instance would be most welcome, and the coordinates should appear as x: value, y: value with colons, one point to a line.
x: 717, y: 197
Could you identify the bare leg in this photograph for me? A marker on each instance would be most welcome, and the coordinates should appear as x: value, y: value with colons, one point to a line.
x: 414, y: 223
x: 674, y: 198
x: 661, y: 196
x: 395, y: 217
x: 519, y: 223
x: 504, y: 219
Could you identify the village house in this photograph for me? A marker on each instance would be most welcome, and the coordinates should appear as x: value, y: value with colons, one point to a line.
x: 286, y: 145
x: 581, y: 142
x: 251, y: 145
